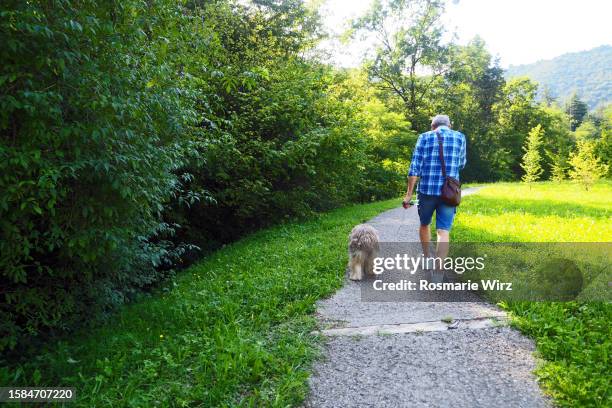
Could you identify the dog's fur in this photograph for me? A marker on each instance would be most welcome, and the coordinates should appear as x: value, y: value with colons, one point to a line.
x: 363, y: 248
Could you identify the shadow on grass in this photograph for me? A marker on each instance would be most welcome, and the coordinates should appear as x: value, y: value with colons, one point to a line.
x: 471, y: 234
x: 496, y: 206
x: 538, y: 269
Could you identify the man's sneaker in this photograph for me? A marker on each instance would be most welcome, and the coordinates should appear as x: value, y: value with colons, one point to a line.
x: 429, y: 264
x: 437, y: 276
x: 451, y: 276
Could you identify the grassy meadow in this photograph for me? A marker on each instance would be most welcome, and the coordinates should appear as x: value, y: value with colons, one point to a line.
x: 541, y: 212
x: 572, y: 337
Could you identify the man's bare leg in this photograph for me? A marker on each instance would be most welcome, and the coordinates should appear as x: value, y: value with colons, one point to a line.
x: 443, y: 244
x: 425, y: 236
x: 442, y: 252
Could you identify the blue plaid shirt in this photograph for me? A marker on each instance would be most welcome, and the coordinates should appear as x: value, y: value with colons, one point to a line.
x: 426, y: 159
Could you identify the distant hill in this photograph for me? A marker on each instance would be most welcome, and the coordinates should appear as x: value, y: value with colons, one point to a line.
x: 587, y: 72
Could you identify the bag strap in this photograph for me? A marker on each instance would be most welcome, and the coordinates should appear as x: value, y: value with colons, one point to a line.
x: 440, y: 149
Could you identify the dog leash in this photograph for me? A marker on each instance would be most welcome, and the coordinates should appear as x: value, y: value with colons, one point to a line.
x: 403, y: 218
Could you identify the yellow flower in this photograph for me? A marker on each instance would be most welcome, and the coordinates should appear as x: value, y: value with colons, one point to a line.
x: 161, y: 336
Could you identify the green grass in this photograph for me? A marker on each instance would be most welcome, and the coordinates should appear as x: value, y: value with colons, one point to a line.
x: 574, y: 338
x: 234, y: 329
x: 544, y: 212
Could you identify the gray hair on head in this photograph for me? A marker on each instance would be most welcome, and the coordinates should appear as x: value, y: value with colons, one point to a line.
x: 440, y: 120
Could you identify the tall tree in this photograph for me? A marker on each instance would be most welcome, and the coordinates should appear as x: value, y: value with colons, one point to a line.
x: 558, y: 140
x: 532, y: 158
x: 548, y: 95
x: 517, y: 113
x: 577, y: 110
x: 472, y: 85
x: 604, y: 145
x: 409, y: 56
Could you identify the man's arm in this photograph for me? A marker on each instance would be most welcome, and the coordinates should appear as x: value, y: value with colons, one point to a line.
x: 412, y: 180
x: 415, y: 169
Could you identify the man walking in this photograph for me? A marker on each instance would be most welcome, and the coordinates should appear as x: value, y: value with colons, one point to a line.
x: 426, y: 168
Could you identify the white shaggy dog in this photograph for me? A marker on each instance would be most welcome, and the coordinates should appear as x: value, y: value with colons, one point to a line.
x: 363, y: 248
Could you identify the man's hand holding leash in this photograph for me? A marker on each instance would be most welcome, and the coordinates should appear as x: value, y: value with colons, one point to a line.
x: 408, y: 201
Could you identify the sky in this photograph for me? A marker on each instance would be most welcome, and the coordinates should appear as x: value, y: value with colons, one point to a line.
x: 516, y: 31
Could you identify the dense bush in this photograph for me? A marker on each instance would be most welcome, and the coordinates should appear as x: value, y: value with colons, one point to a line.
x: 284, y: 135
x: 120, y: 121
x: 90, y: 142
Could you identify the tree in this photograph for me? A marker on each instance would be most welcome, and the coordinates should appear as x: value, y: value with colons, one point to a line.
x: 409, y: 35
x: 587, y: 131
x: 586, y: 167
x: 558, y: 141
x: 558, y: 167
x: 531, y: 159
x: 517, y: 113
x: 577, y: 110
x: 470, y: 89
x: 548, y: 96
x: 602, y: 118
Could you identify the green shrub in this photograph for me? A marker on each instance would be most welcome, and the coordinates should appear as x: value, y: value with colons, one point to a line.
x: 130, y: 131
x: 91, y: 123
x: 284, y: 135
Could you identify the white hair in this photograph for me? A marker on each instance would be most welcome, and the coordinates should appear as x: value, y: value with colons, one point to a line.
x: 440, y: 120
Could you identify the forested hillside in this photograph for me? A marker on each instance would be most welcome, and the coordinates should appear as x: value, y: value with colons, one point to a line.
x: 587, y: 73
x: 136, y: 135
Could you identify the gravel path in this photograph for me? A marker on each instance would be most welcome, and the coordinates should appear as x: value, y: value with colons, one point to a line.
x: 472, y: 362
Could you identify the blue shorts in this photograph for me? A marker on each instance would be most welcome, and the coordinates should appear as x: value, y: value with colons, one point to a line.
x: 445, y: 214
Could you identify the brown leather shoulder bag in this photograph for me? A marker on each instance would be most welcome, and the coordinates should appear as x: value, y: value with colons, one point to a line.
x: 451, y: 189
